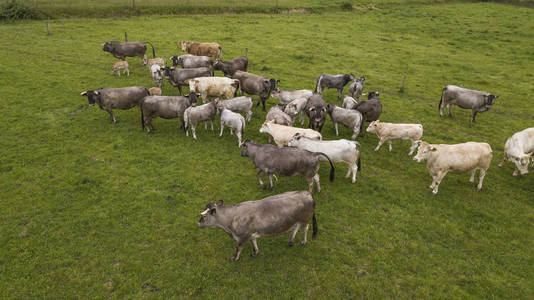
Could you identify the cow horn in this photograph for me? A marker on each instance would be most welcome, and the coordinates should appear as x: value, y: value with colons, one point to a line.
x: 83, y: 93
x: 205, y: 212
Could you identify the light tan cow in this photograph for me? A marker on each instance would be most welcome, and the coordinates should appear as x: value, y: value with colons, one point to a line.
x: 390, y: 131
x: 458, y: 158
x: 156, y: 61
x: 212, y: 50
x: 120, y: 65
x: 283, y: 134
x: 154, y: 91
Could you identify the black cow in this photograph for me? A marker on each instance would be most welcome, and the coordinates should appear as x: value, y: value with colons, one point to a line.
x: 130, y: 49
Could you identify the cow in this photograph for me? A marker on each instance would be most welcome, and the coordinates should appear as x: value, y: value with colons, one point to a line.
x: 178, y: 77
x: 277, y: 114
x: 477, y: 101
x: 283, y: 134
x: 116, y: 98
x: 166, y: 107
x: 128, y: 49
x: 196, y: 114
x: 334, y: 82
x: 285, y: 161
x: 212, y: 50
x: 337, y: 150
x: 370, y: 109
x: 241, y: 103
x: 229, y: 67
x: 519, y: 149
x: 356, y: 88
x: 390, y: 131
x: 155, y: 61
x: 285, y: 97
x: 157, y: 74
x: 256, y: 85
x: 234, y: 121
x: 274, y: 215
x: 188, y: 61
x: 316, y: 111
x: 353, y: 119
x: 458, y: 158
x: 297, y: 107
x: 120, y: 65
x: 349, y: 102
x: 213, y: 86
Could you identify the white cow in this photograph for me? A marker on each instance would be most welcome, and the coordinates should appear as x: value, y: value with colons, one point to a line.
x: 518, y: 149
x: 338, y: 151
x: 157, y: 74
x: 213, y: 86
x: 390, y: 131
x: 287, y: 96
x: 242, y: 103
x: 283, y: 134
x: 458, y: 158
x: 234, y: 121
x: 297, y: 107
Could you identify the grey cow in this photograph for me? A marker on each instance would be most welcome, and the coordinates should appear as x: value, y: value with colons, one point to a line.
x: 334, y: 82
x: 370, y: 109
x: 130, y: 49
x: 316, y: 112
x: 256, y: 85
x: 477, y: 101
x: 274, y: 215
x: 116, y: 98
x: 356, y: 88
x: 230, y: 67
x: 177, y: 77
x: 270, y: 160
x: 353, y: 119
x: 166, y: 107
x: 196, y: 114
x: 188, y: 61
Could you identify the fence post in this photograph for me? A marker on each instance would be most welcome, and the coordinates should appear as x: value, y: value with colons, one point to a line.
x: 133, y: 4
x: 402, y: 87
x: 125, y: 36
x: 47, y: 28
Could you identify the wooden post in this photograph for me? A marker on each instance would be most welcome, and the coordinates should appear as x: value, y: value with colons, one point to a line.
x: 125, y: 36
x: 276, y: 6
x: 246, y: 51
x: 133, y: 4
x: 402, y: 87
x: 47, y: 29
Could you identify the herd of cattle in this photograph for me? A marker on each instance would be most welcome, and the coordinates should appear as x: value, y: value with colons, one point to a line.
x: 298, y: 150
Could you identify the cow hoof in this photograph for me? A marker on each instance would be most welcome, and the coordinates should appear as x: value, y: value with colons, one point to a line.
x: 264, y: 186
x: 290, y: 244
x: 232, y: 259
x: 253, y: 254
x: 303, y: 243
x: 434, y: 192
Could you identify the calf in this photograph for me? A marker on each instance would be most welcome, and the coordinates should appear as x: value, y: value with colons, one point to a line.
x: 156, y: 61
x: 116, y: 98
x: 283, y: 134
x: 154, y: 91
x: 213, y: 86
x: 242, y: 103
x: 297, y: 107
x: 157, y: 75
x: 477, y: 101
x: 256, y: 85
x: 285, y: 97
x: 188, y: 61
x: 177, y: 77
x: 349, y: 102
x: 356, y: 88
x: 234, y: 121
x: 348, y: 117
x: 518, y: 149
x: 212, y: 50
x: 230, y: 67
x: 274, y: 215
x: 277, y: 114
x: 128, y: 49
x: 166, y: 107
x: 316, y: 111
x: 334, y: 82
x: 120, y: 65
x: 389, y: 131
x: 196, y: 114
x: 458, y: 158
x: 285, y: 161
x: 338, y: 151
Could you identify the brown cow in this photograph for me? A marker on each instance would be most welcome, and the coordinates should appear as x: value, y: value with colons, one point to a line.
x: 213, y: 50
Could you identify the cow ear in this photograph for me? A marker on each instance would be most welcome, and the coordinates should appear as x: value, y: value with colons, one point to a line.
x: 312, y: 109
x: 97, y: 92
x: 433, y: 149
x: 213, y: 211
x: 220, y: 202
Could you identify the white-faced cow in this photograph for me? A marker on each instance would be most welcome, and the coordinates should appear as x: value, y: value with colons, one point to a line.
x: 477, y: 101
x: 274, y: 215
x: 519, y: 149
x: 116, y: 98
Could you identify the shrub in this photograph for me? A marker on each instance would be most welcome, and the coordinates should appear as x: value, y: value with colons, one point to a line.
x: 346, y: 6
x: 18, y: 11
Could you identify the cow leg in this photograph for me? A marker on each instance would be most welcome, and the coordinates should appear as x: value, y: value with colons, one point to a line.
x: 193, y: 130
x: 353, y: 167
x: 263, y: 104
x: 316, y: 179
x: 293, y: 234
x: 145, y: 60
x: 302, y: 118
x: 413, y: 147
x: 349, y: 169
x: 222, y: 128
x: 239, y: 248
x: 434, y: 176
x: 481, y: 178
x: 441, y: 107
x: 355, y: 132
x: 249, y: 115
x: 255, y: 248
x: 206, y: 125
x: 180, y: 89
x: 439, y: 177
x: 515, y: 171
x: 474, y: 115
x: 305, y: 235
x: 503, y: 160
x: 128, y: 72
x: 449, y: 110
x: 339, y: 93
x: 335, y: 127
x: 472, y: 178
x: 231, y: 131
x: 260, y: 172
x: 211, y: 122
x: 271, y: 180
x: 380, y: 142
x: 111, y: 116
x: 239, y: 138
x: 390, y: 148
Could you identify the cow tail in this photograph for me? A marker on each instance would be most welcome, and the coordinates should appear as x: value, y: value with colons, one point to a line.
x: 332, y: 170
x: 441, y: 100
x: 361, y: 125
x: 186, y: 121
x: 142, y: 115
x: 243, y: 127
x: 153, y: 50
x: 220, y: 52
x: 314, y: 227
x: 359, y: 149
x: 237, y: 87
x: 317, y: 84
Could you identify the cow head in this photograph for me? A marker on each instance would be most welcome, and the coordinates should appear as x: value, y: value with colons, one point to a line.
x: 372, y: 95
x: 168, y: 71
x: 265, y: 127
x: 208, y: 217
x: 522, y: 162
x: 93, y: 96
x: 349, y: 77
x: 193, y: 98
x: 175, y: 60
x: 218, y: 65
x: 317, y: 114
x: 330, y: 108
x: 361, y: 79
x: 372, y: 126
x: 294, y: 140
x: 245, y: 148
x: 490, y: 99
x: 184, y: 45
x: 273, y: 82
x: 424, y: 151
x: 110, y: 46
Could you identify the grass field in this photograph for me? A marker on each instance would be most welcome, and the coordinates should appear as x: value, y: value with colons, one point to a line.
x: 95, y: 210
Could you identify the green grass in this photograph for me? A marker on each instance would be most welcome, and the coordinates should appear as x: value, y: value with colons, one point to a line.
x: 95, y: 210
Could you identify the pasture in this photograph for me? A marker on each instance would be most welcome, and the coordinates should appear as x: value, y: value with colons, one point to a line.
x: 96, y: 210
